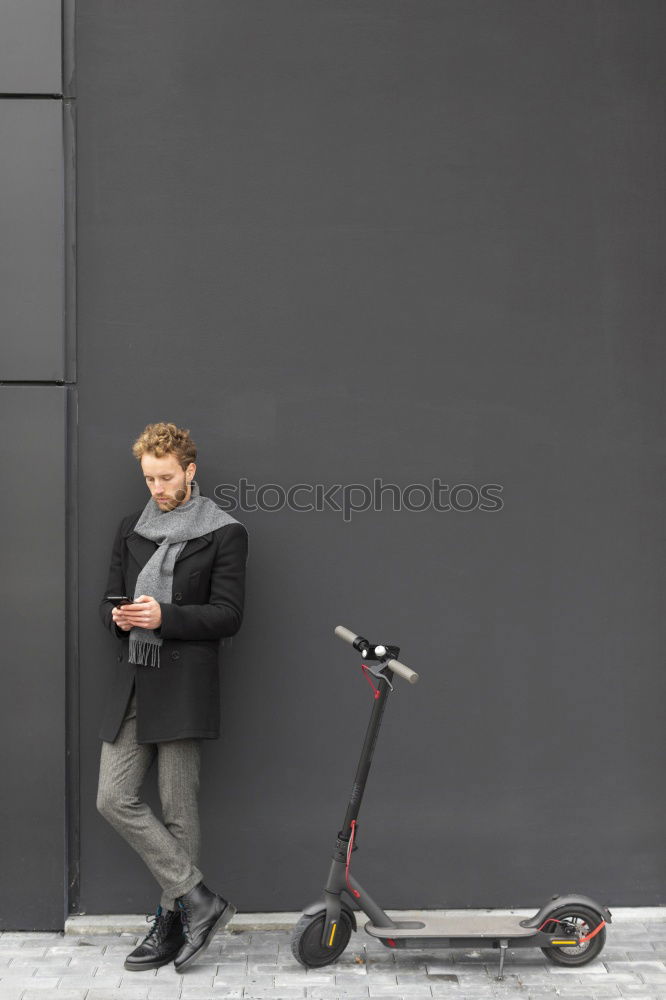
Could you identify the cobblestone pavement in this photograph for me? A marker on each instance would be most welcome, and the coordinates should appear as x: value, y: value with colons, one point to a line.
x: 257, y: 964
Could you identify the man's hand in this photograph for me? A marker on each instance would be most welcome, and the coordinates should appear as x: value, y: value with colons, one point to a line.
x: 145, y: 612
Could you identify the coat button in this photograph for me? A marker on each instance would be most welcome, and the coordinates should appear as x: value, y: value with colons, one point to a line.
x: 178, y: 596
x: 175, y: 655
x: 120, y: 657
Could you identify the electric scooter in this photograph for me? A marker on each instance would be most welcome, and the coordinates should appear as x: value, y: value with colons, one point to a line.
x: 570, y: 930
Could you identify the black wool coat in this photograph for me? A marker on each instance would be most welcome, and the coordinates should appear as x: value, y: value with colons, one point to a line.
x: 181, y: 697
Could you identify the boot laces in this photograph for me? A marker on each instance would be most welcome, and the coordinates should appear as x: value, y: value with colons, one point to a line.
x: 185, y: 914
x: 159, y: 928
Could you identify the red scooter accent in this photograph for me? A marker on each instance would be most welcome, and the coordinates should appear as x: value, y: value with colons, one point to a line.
x: 350, y: 848
x: 365, y: 670
x: 593, y: 933
x: 550, y: 920
x: 588, y: 937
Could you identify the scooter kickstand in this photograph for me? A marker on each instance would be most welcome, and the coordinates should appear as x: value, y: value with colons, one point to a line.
x: 504, y: 944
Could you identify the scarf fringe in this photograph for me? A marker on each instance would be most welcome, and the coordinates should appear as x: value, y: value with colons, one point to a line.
x: 144, y: 652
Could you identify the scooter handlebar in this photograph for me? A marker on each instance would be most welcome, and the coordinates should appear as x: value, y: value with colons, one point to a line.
x: 395, y: 665
x: 403, y: 671
x: 346, y: 634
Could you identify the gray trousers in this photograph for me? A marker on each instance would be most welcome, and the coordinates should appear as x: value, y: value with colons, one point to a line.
x: 169, y: 849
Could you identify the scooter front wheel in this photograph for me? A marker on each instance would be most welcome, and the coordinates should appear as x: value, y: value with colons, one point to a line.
x: 575, y: 921
x: 306, y: 946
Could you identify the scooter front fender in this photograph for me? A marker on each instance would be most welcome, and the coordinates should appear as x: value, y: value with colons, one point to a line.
x: 557, y: 902
x: 320, y: 907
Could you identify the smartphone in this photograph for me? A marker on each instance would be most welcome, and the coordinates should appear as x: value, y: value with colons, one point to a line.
x: 118, y: 601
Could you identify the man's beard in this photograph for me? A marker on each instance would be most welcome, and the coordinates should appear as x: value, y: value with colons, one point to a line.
x: 170, y: 503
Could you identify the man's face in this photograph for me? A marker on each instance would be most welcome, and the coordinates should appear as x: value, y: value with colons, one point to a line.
x: 167, y: 482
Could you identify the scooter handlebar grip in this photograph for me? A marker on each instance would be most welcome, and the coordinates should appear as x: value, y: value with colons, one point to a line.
x: 345, y: 633
x: 399, y: 668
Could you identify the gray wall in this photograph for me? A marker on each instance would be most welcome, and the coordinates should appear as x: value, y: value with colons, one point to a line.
x: 345, y: 240
x: 342, y: 240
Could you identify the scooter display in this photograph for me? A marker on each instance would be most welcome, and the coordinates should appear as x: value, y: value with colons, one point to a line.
x: 570, y: 929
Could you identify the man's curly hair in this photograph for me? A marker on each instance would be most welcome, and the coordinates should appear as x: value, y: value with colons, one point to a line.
x: 166, y: 439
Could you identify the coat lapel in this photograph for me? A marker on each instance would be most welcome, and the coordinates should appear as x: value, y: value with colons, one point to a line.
x: 194, y: 545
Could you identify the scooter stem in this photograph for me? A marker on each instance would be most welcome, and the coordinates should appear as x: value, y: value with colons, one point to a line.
x: 365, y: 760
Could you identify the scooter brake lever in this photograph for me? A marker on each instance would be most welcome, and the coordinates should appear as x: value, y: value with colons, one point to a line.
x: 376, y: 672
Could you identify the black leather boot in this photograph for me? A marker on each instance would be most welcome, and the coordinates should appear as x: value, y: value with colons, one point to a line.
x: 202, y: 912
x: 162, y: 943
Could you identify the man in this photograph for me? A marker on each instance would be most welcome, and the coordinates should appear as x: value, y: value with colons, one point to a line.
x: 181, y: 563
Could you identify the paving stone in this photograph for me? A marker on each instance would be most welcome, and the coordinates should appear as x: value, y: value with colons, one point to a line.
x: 31, y: 935
x: 18, y: 950
x: 41, y: 985
x: 579, y: 996
x: 85, y: 954
x: 645, y: 993
x: 167, y: 973
x: 634, y: 989
x: 30, y: 994
x: 281, y: 993
x: 440, y: 990
x: 198, y: 992
x: 573, y: 989
x: 104, y: 940
x: 224, y: 991
x: 351, y: 961
x: 335, y: 992
x: 420, y: 996
x: 9, y: 978
x: 51, y: 970
x: 440, y: 969
x: 80, y: 968
x: 644, y: 996
x: 136, y: 993
x: 596, y: 968
x: 625, y: 978
x: 21, y: 961
x: 256, y: 982
x: 80, y: 980
x: 222, y: 968
x: 401, y: 990
x: 118, y: 969
x: 638, y: 967
x: 416, y: 977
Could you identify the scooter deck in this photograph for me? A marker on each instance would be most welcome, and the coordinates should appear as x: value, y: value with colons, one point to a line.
x: 458, y: 926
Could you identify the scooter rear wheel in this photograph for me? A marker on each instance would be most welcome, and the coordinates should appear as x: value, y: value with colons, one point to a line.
x: 306, y: 946
x: 575, y: 920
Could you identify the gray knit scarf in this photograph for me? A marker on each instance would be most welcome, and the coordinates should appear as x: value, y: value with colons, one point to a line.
x: 171, y: 529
